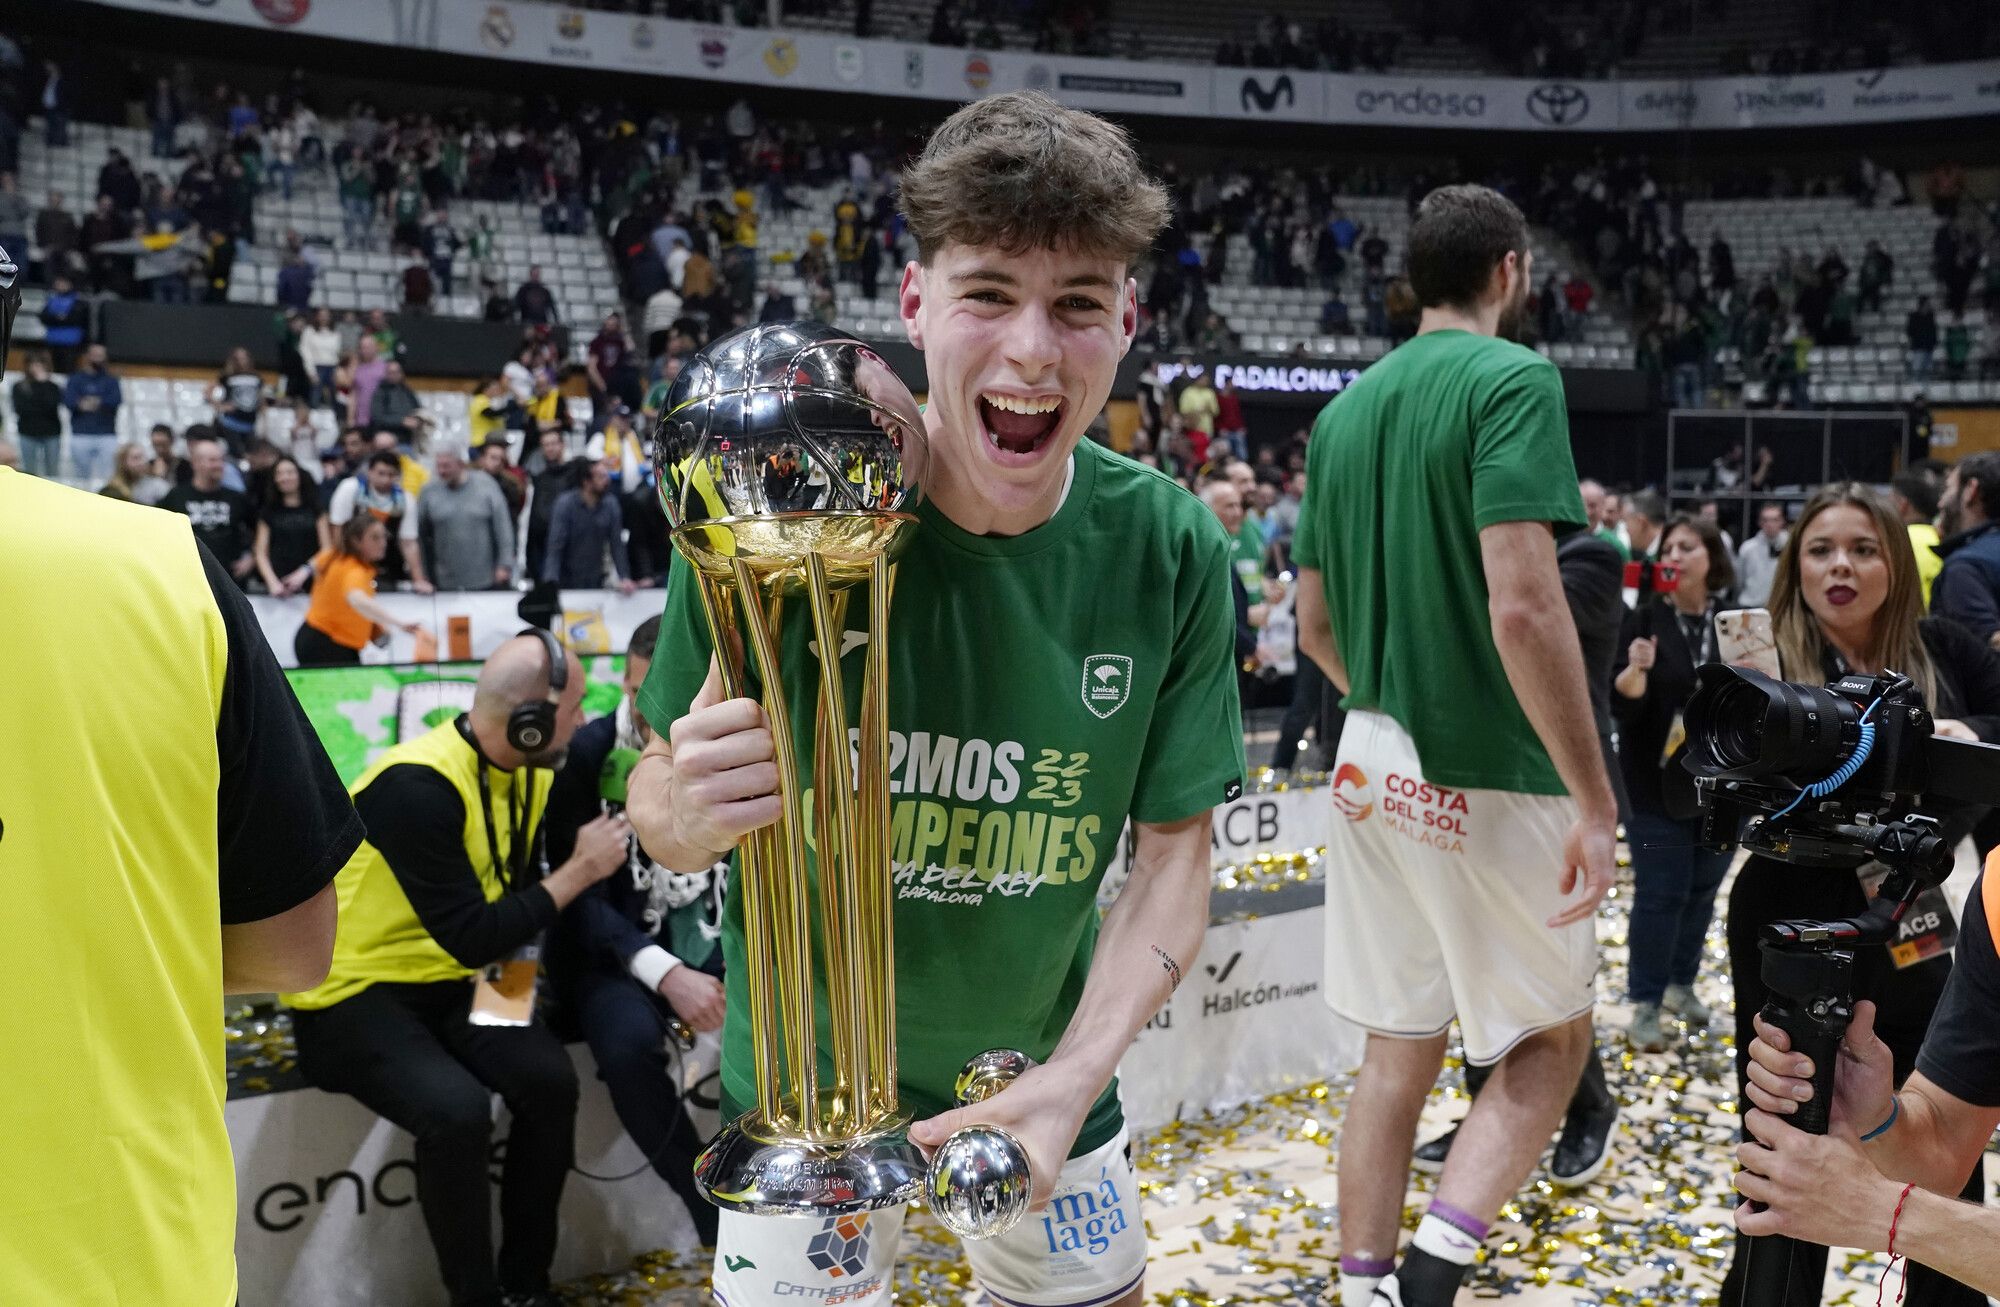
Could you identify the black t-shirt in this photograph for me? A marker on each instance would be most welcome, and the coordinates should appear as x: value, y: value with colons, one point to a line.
x: 1961, y: 1052
x: 416, y: 821
x: 294, y: 536
x: 286, y: 826
x: 244, y: 393
x: 221, y: 518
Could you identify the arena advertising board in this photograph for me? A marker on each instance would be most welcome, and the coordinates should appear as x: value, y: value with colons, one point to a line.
x: 559, y: 35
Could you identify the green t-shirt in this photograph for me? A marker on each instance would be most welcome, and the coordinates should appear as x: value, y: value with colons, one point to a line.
x: 1246, y: 552
x: 1043, y: 688
x: 1449, y: 434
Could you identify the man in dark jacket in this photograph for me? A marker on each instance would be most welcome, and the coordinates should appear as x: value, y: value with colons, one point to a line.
x: 1967, y: 590
x: 636, y: 958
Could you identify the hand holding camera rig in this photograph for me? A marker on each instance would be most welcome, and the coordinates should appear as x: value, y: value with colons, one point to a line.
x: 1833, y: 777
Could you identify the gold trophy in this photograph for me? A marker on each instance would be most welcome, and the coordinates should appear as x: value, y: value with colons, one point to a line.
x: 789, y: 457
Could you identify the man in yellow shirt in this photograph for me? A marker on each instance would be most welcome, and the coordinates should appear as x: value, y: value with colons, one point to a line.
x: 1915, y: 494
x: 168, y: 827
x: 451, y: 888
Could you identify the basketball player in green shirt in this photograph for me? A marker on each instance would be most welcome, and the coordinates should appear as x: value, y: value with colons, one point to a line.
x: 1062, y: 636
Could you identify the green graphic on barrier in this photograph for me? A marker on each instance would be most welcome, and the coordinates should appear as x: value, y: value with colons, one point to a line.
x: 360, y: 711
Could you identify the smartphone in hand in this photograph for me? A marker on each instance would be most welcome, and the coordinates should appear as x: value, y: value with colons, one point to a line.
x: 1743, y: 638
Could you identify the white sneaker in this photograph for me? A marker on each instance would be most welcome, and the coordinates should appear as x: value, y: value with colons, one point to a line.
x: 1387, y: 1294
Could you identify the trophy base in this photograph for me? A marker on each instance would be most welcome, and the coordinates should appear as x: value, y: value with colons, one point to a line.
x: 750, y: 1168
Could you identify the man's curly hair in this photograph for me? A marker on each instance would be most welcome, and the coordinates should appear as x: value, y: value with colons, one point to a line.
x: 1019, y: 172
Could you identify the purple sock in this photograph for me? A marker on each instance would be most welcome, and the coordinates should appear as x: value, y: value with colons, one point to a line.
x: 1465, y: 1221
x: 1372, y: 1268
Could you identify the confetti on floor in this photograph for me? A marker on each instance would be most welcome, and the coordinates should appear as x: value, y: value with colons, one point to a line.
x: 1240, y: 1206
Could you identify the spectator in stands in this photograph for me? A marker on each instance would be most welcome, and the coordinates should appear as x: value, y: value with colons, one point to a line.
x: 395, y: 408
x: 419, y: 289
x: 552, y: 474
x: 57, y: 236
x: 464, y: 526
x: 636, y: 952
x: 108, y: 225
x: 163, y: 112
x: 513, y: 482
x: 65, y: 323
x: 1721, y: 265
x: 1878, y: 273
x: 319, y: 351
x: 1645, y: 517
x: 1757, y: 560
x: 585, y: 523
x: 357, y: 202
x: 1967, y: 588
x: 38, y: 417
x: 1334, y: 318
x: 378, y: 493
x: 295, y: 284
x: 132, y: 479
x: 56, y: 104
x: 369, y: 369
x: 777, y: 306
x: 1198, y: 406
x: 533, y: 304
x: 344, y: 615
x: 166, y: 463
x: 14, y: 215
x: 93, y: 397
x: 221, y: 515
x: 607, y: 365
x: 1230, y: 426
x: 1920, y: 333
x: 431, y: 900
x: 238, y: 397
x: 440, y: 245
x: 1957, y: 348
x: 1914, y: 496
x: 292, y: 529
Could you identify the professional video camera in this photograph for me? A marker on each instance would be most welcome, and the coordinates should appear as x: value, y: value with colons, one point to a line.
x: 1830, y: 776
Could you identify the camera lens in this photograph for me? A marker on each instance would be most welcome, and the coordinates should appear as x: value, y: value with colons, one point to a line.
x: 1742, y: 725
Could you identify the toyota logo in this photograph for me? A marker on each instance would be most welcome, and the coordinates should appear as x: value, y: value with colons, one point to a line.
x: 1558, y: 104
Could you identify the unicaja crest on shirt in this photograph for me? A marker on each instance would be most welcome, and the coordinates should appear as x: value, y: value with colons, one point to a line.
x: 1107, y: 683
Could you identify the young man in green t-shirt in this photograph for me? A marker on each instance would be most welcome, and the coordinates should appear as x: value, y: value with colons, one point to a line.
x: 1061, y: 661
x: 1478, y: 819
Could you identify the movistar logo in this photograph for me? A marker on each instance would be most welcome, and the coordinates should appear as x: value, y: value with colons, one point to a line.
x: 1266, y: 101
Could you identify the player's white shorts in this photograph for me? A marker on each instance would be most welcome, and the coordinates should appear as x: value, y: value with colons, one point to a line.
x: 1085, y: 1249
x: 1437, y: 902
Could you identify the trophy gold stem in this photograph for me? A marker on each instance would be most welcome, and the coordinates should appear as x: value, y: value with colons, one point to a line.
x: 840, y: 864
x: 759, y: 863
x: 876, y: 878
x: 787, y: 882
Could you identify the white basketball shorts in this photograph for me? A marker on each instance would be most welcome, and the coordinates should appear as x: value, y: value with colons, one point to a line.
x: 1437, y: 902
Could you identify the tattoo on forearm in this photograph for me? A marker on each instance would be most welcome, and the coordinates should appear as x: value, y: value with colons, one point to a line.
x: 1172, y: 968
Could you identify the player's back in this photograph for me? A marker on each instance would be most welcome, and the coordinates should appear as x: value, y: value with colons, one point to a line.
x: 1452, y: 432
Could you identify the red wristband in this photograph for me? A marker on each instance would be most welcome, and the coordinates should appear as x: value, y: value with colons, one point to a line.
x: 1894, y: 1220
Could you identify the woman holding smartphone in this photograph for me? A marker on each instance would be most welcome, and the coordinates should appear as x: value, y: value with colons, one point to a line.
x: 344, y: 614
x: 1847, y: 599
x: 1674, y: 880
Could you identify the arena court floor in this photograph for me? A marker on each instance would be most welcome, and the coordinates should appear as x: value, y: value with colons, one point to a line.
x: 1240, y: 1207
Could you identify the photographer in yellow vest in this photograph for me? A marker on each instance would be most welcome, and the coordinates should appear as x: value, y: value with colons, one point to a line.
x: 169, y: 826
x: 429, y: 1007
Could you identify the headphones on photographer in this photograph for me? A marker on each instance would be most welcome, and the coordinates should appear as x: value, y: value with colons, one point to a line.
x: 531, y: 726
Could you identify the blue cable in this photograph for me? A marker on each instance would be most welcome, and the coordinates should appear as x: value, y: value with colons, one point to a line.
x: 1820, y: 789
